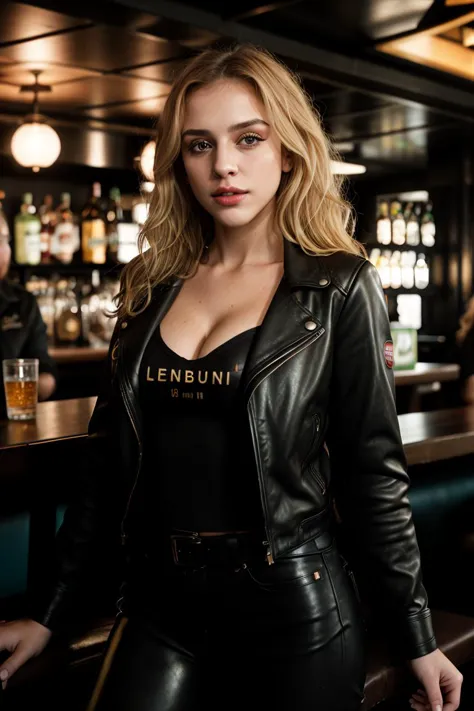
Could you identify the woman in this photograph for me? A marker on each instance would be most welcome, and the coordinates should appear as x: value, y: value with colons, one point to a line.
x: 250, y: 389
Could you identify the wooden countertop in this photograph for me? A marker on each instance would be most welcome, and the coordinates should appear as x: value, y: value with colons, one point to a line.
x: 58, y: 419
x: 78, y: 355
x: 427, y: 373
x: 427, y: 436
x: 441, y: 434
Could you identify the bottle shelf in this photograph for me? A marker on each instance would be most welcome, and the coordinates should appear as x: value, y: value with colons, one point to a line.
x: 71, y: 269
x: 400, y: 247
x: 414, y: 290
x: 102, y: 229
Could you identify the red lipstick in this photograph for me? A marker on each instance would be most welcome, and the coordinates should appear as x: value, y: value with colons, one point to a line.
x: 228, y: 195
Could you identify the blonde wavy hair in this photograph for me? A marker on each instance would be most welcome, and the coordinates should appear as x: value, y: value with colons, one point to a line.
x: 465, y: 322
x: 310, y: 208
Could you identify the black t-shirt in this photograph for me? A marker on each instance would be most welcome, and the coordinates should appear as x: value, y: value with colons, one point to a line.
x: 22, y: 331
x: 199, y: 467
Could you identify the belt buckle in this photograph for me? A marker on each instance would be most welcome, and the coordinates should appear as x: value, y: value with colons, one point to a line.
x: 193, y: 538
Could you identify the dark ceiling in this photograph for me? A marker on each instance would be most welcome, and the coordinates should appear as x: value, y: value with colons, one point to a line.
x: 110, y: 65
x: 349, y: 22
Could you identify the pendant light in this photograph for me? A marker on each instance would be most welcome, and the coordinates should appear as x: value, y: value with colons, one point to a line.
x: 35, y: 144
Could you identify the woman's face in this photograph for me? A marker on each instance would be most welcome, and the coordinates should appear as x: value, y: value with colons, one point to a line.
x: 228, y: 144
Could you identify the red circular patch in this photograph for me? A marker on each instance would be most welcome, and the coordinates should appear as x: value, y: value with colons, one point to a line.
x: 388, y: 353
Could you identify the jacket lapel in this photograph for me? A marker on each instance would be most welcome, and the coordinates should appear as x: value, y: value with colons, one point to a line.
x: 136, y: 332
x: 289, y: 322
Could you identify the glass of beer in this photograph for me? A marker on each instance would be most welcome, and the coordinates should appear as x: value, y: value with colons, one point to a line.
x: 20, y: 379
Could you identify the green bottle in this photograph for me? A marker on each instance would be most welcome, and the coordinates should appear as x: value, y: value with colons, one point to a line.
x: 27, y: 227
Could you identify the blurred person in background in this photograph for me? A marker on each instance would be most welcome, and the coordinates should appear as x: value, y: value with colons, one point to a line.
x: 22, y: 329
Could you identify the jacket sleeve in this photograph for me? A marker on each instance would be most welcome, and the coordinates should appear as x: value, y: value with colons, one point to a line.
x: 86, y: 521
x: 369, y: 469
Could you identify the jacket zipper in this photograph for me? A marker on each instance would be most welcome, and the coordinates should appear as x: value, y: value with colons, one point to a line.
x: 319, y: 480
x: 268, y: 369
x: 123, y: 534
x: 316, y: 474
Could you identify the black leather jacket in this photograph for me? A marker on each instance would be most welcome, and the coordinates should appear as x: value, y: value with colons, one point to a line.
x: 320, y: 402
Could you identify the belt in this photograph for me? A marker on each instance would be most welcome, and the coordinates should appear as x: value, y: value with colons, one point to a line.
x: 223, y: 550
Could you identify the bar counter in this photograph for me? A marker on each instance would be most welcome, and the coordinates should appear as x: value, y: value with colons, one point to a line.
x: 427, y: 436
x: 56, y: 420
x: 427, y: 373
x: 78, y: 355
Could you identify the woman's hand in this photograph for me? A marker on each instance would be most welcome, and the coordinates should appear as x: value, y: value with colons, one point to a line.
x: 24, y: 639
x: 441, y: 683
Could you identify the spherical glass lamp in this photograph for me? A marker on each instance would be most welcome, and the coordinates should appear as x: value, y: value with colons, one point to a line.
x: 35, y: 145
x: 147, y: 160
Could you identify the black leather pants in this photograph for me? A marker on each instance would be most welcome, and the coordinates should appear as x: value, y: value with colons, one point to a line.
x: 284, y: 637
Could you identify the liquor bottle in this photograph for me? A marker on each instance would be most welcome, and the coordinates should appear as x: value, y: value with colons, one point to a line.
x: 408, y: 260
x: 67, y: 314
x: 398, y: 223
x: 94, y: 239
x: 413, y: 225
x: 27, y: 227
x: 422, y: 272
x: 113, y: 216
x: 65, y: 240
x: 45, y: 292
x: 428, y: 227
x: 128, y: 233
x: 395, y: 270
x: 48, y: 218
x: 4, y: 229
x: 93, y: 312
x: 384, y: 228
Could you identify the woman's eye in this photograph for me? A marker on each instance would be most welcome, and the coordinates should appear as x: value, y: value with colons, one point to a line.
x: 199, y: 146
x: 250, y: 139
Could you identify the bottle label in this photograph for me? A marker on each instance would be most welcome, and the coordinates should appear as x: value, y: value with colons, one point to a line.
x: 428, y: 231
x: 422, y: 276
x: 413, y: 233
x: 408, y: 277
x: 127, y: 234
x: 384, y: 231
x: 68, y: 327
x: 32, y: 240
x: 94, y: 242
x: 65, y: 241
x: 398, y: 231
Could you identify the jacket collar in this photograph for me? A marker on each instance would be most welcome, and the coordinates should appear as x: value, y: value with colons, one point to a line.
x: 302, y: 269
